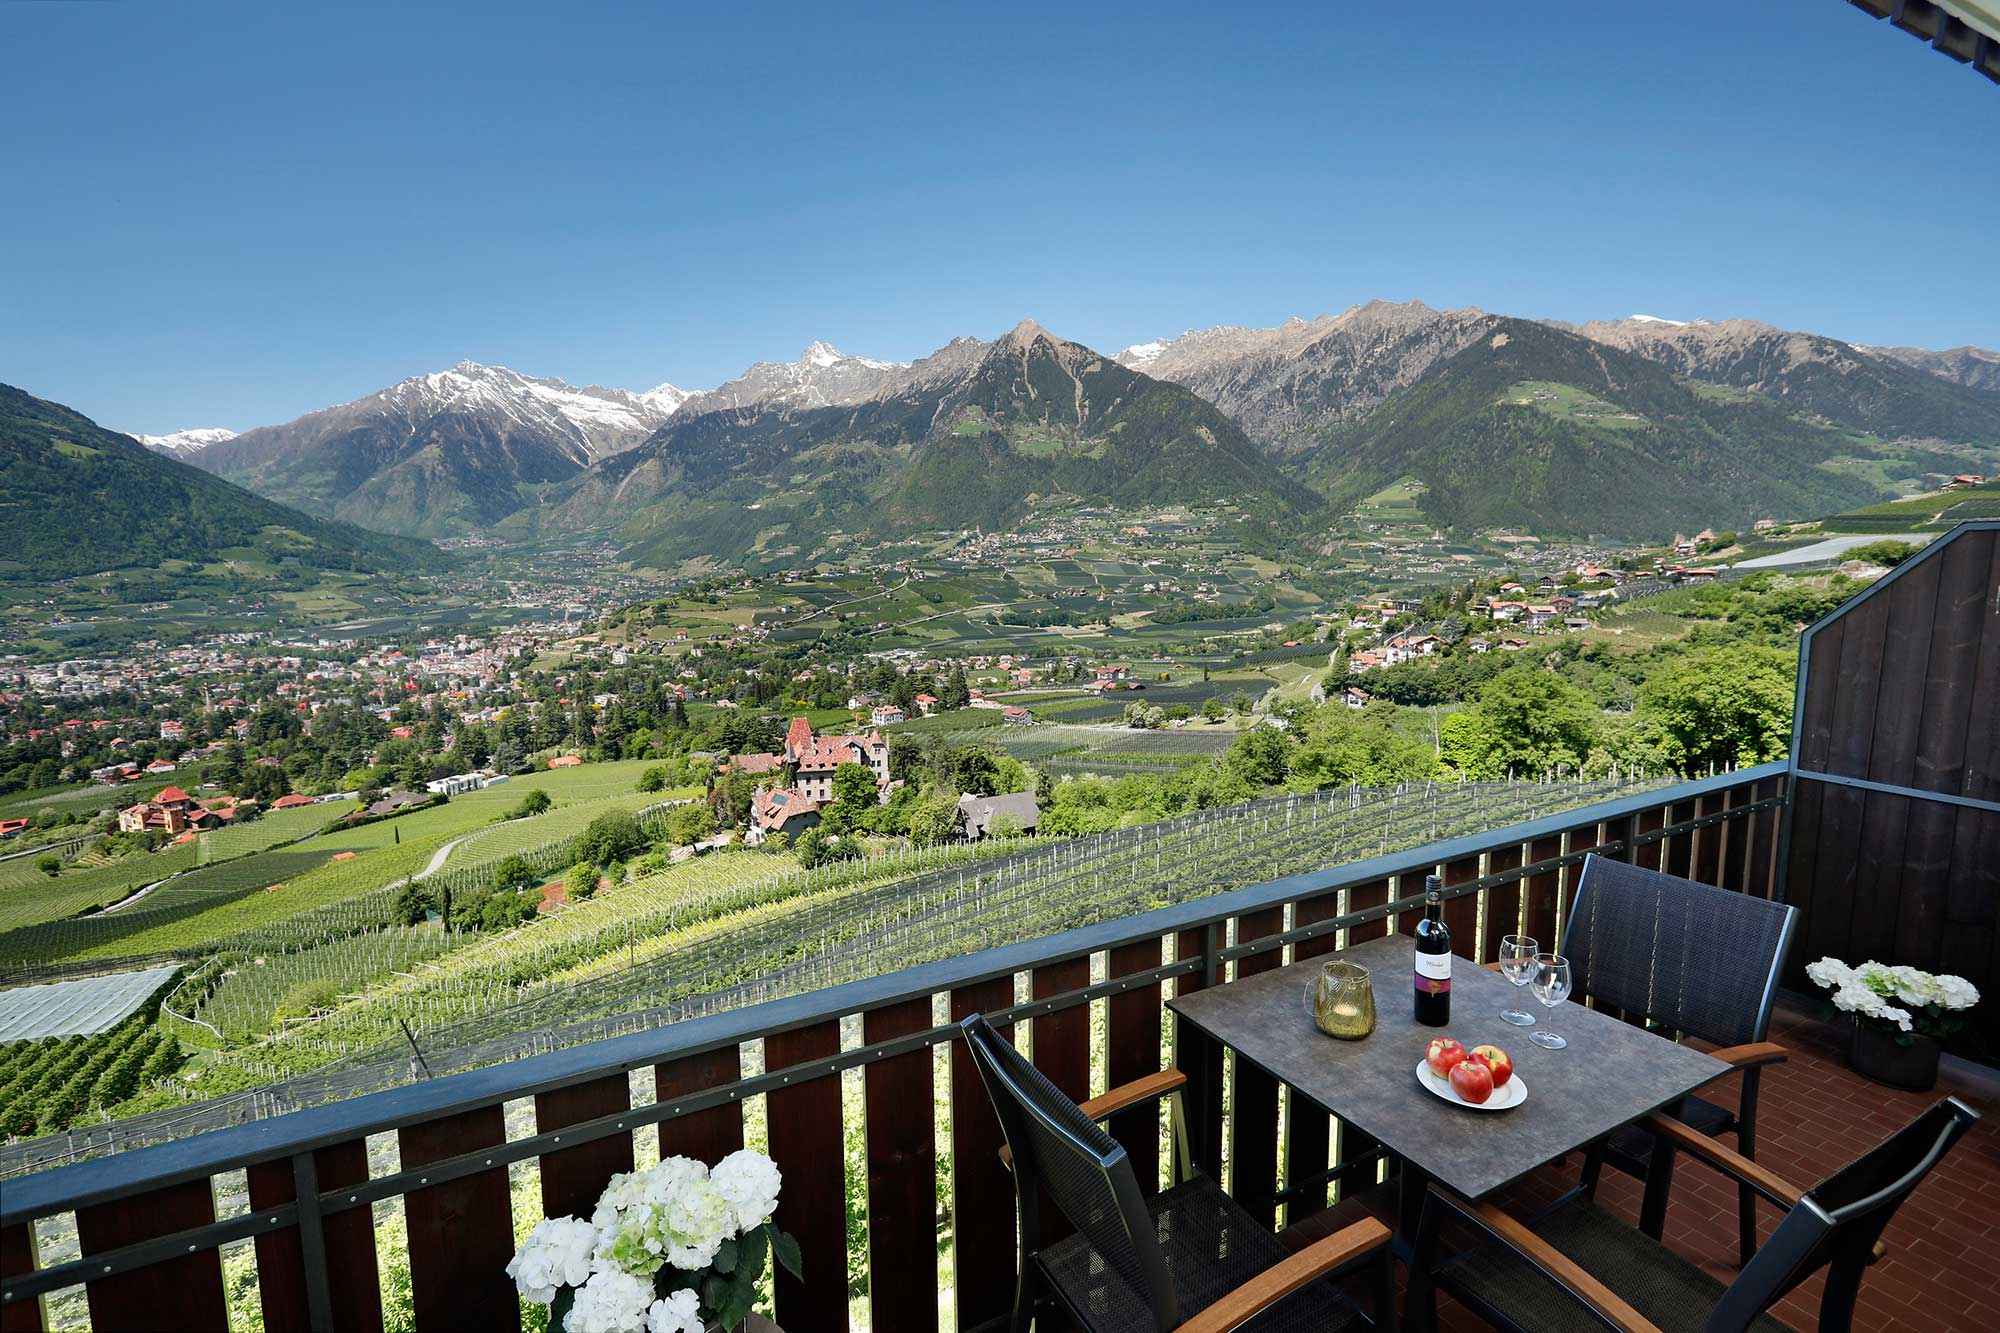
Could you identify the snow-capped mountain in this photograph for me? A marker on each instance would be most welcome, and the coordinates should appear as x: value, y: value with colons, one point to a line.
x: 440, y: 454
x: 185, y: 444
x: 823, y: 376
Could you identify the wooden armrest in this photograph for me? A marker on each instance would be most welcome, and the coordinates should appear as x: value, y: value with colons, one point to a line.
x: 1282, y: 1279
x: 1752, y: 1055
x: 1728, y: 1161
x: 1609, y: 1305
x: 1120, y: 1098
x: 1130, y: 1094
x: 1493, y: 966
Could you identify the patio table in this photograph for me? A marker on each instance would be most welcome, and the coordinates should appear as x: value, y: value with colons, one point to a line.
x: 1611, y: 1073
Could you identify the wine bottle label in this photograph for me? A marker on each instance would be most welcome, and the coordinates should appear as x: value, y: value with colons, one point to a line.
x: 1434, y: 972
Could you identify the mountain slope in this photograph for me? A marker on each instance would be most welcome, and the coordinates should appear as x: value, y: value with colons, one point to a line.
x: 1854, y: 386
x: 441, y: 454
x: 1535, y: 428
x: 1288, y: 386
x: 975, y: 435
x: 76, y: 498
x: 1973, y: 367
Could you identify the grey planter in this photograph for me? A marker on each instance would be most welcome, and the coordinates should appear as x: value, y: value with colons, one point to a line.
x: 1876, y: 1053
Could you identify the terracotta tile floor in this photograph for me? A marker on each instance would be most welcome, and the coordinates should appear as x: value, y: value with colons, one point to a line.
x: 1942, y: 1270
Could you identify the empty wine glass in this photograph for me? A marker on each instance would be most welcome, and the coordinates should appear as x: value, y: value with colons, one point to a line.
x: 1517, y: 964
x: 1551, y: 986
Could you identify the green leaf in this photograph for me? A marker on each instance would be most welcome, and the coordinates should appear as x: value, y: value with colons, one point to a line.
x: 725, y: 1258
x: 670, y: 1280
x: 755, y: 1246
x: 787, y: 1251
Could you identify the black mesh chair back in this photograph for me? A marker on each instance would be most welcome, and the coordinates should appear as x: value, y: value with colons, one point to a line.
x: 1692, y: 958
x: 1085, y: 1171
x: 1837, y: 1222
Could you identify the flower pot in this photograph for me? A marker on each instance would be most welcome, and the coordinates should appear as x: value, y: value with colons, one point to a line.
x: 1875, y: 1053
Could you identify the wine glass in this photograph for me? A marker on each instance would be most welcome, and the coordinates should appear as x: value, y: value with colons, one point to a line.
x: 1517, y: 964
x: 1551, y: 986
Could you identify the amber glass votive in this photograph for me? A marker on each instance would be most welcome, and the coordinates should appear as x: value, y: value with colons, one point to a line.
x: 1342, y: 1001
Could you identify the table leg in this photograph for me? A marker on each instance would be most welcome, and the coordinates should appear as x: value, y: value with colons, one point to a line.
x: 1412, y: 1182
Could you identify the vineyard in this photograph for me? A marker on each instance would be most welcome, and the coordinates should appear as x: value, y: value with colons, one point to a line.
x: 739, y: 928
x: 246, y: 997
x: 28, y: 901
x: 46, y: 1085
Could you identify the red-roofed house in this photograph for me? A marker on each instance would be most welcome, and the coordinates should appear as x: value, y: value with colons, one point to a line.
x: 784, y: 810
x: 291, y: 802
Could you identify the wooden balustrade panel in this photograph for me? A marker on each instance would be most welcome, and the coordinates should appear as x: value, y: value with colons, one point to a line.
x: 1503, y: 902
x: 710, y: 1135
x: 1061, y: 1042
x: 353, y: 1286
x: 17, y: 1259
x: 1201, y: 1060
x: 1705, y: 859
x: 806, y: 1143
x: 168, y: 1296
x: 1732, y: 839
x: 1360, y: 899
x: 1649, y: 853
x: 1253, y: 1121
x: 1461, y: 914
x: 900, y: 1100
x: 1677, y: 855
x: 1764, y: 827
x: 1308, y: 1129
x: 1132, y: 1023
x: 983, y: 1226
x: 462, y: 1231
x: 572, y: 1178
x: 1542, y: 890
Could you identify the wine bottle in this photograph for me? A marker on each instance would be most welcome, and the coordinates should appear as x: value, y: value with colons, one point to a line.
x: 1433, y: 959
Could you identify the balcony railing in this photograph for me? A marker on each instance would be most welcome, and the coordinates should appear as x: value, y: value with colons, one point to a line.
x: 146, y: 1219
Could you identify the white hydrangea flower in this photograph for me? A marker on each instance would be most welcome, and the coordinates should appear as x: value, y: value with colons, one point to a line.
x: 556, y: 1254
x: 750, y: 1181
x: 625, y: 1189
x: 678, y: 1313
x: 611, y: 1302
x: 1829, y: 972
x: 672, y: 1172
x: 693, y: 1222
x: 1956, y: 992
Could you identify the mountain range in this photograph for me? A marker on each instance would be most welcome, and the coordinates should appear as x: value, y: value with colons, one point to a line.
x: 1627, y: 427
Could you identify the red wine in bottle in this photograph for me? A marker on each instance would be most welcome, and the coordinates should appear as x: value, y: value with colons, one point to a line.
x: 1433, y: 959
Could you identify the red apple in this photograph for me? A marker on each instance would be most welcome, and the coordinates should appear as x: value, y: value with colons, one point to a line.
x: 1472, y: 1080
x: 1501, y: 1063
x: 1443, y: 1054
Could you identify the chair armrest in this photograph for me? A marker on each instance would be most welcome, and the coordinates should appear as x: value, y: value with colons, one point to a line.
x: 1605, y: 1303
x: 1731, y: 1163
x: 1130, y: 1094
x: 1122, y: 1097
x: 1282, y: 1279
x: 1752, y: 1055
x: 1493, y: 966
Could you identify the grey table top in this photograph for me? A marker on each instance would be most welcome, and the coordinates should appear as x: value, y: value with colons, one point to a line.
x: 1611, y: 1073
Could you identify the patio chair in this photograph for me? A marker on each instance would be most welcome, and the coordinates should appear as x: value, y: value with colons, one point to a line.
x: 1190, y: 1258
x: 1579, y: 1268
x: 1689, y: 960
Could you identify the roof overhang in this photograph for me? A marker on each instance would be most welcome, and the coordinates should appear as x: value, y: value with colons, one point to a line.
x: 1966, y: 30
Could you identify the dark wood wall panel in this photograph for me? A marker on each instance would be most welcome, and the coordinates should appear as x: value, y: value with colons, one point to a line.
x: 178, y: 1294
x: 17, y: 1259
x: 1903, y: 689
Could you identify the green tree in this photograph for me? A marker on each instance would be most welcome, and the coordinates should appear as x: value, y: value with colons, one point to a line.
x: 534, y: 802
x: 612, y: 836
x: 1535, y: 722
x: 1259, y: 756
x: 580, y: 882
x: 689, y: 824
x: 854, y: 795
x: 934, y: 818
x: 1212, y: 709
x: 49, y: 865
x: 653, y: 779
x: 513, y: 873
x: 1721, y: 705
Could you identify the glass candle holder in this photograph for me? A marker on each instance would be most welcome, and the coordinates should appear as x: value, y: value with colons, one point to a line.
x: 1341, y: 1001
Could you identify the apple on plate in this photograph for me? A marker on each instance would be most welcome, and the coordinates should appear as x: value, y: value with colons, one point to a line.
x: 1472, y: 1080
x: 1501, y: 1063
x: 1444, y: 1053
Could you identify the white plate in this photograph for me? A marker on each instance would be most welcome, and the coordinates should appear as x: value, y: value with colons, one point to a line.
x: 1503, y: 1099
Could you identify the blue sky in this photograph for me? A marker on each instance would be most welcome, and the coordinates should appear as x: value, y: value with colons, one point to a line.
x: 228, y: 216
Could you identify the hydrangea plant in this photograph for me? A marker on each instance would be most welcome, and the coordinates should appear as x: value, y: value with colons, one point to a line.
x: 1904, y: 1000
x: 674, y: 1249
